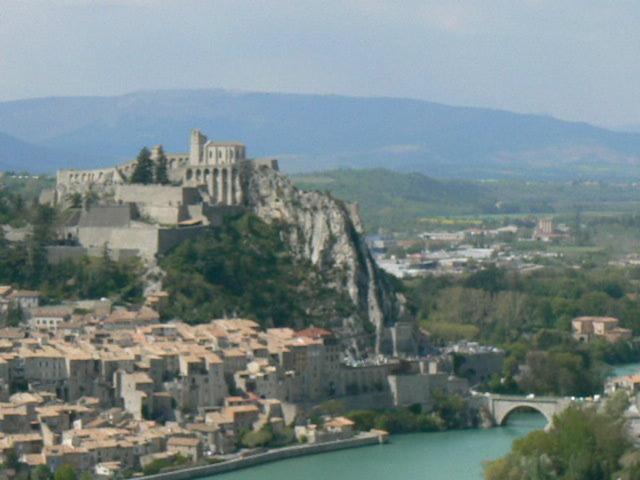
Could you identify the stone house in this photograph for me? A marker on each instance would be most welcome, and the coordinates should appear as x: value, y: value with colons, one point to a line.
x: 135, y: 389
x: 49, y: 318
x: 25, y: 299
x: 586, y: 329
x: 189, y: 447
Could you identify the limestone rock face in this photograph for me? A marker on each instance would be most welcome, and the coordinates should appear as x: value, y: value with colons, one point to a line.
x: 328, y: 233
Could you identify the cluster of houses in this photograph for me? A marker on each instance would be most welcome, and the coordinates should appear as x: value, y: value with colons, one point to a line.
x: 106, y: 388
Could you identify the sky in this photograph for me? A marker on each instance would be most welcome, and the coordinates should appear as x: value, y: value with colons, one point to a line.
x: 573, y: 59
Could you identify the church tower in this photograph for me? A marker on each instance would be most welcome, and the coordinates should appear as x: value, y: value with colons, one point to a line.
x: 196, y: 152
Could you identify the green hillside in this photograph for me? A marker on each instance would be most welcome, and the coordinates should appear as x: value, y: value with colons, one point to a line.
x: 404, y: 201
x: 397, y: 200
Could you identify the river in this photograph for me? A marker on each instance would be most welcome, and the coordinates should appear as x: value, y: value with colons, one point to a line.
x: 625, y: 369
x: 455, y: 455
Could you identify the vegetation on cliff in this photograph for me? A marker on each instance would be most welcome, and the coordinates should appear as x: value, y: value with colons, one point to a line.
x: 447, y: 412
x: 245, y: 269
x: 24, y: 264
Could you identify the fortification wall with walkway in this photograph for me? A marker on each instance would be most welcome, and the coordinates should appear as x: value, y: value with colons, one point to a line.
x: 361, y: 440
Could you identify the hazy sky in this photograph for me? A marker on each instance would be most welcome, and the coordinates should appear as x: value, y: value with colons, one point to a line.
x: 575, y: 59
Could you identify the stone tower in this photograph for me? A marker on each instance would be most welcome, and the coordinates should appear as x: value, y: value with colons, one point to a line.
x: 155, y: 153
x: 196, y: 152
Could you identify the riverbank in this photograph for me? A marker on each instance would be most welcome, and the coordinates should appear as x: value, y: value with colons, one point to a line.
x: 454, y: 454
x: 624, y: 369
x: 360, y: 440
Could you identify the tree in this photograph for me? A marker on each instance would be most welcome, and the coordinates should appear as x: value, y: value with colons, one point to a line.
x: 15, y: 315
x: 161, y: 172
x: 41, y: 472
x: 143, y: 171
x: 583, y: 443
x: 66, y: 472
x: 11, y: 459
x: 42, y: 235
x: 246, y: 268
x: 74, y: 199
x: 257, y: 438
x: 90, y: 198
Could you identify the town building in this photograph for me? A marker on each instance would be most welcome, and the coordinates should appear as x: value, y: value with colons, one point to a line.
x: 586, y: 329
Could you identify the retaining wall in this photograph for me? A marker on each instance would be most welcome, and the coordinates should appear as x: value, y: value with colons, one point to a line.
x: 270, y: 456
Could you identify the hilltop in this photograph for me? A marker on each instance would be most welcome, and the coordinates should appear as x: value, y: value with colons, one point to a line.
x: 319, y: 132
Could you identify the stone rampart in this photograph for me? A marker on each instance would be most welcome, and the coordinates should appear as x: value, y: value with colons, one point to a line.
x: 170, y: 237
x: 418, y: 389
x: 99, y: 175
x: 159, y: 195
x: 364, y: 439
x: 60, y: 253
x: 142, y: 238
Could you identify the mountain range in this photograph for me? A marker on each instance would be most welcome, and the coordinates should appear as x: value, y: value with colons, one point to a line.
x: 313, y: 132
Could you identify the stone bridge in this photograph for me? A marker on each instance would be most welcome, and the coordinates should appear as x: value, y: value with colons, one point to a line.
x: 501, y: 406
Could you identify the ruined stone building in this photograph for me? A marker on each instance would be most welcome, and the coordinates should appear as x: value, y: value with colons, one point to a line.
x: 206, y: 184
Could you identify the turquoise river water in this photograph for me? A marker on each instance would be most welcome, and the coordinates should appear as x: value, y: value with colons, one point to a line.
x: 456, y: 455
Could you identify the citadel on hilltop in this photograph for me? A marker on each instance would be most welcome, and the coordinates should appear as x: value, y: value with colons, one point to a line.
x: 205, y: 184
x: 112, y: 214
x: 215, y: 166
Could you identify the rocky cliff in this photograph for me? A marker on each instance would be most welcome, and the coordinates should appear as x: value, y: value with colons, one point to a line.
x: 328, y: 233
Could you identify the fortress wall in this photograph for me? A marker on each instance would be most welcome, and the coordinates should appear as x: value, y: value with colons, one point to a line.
x: 58, y: 253
x: 48, y: 197
x: 195, y: 211
x: 361, y: 440
x: 266, y: 162
x: 127, y: 168
x: 411, y: 389
x: 101, y: 175
x: 142, y: 239
x: 175, y: 160
x: 156, y: 194
x: 217, y: 213
x: 191, y: 196
x: 360, y: 380
x: 163, y: 214
x: 170, y: 237
x: 94, y: 236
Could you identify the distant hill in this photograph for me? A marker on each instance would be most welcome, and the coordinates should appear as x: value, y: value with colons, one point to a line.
x: 311, y: 132
x: 407, y: 201
x: 397, y: 200
x: 19, y: 156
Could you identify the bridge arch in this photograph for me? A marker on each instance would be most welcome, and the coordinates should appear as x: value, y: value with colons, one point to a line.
x: 501, y: 420
x: 501, y: 406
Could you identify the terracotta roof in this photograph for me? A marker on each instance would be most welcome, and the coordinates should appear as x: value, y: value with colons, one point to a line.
x: 596, y: 319
x: 24, y: 293
x: 314, y: 332
x: 5, y: 289
x: 338, y: 422
x: 183, y: 442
